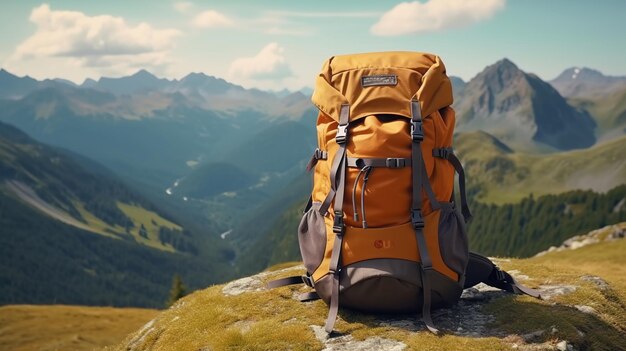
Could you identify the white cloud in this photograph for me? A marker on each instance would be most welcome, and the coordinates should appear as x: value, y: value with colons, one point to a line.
x: 102, y: 41
x: 183, y: 6
x: 274, y: 23
x: 309, y: 14
x: 212, y: 19
x: 268, y: 64
x: 434, y: 15
x: 292, y: 31
x: 281, y: 22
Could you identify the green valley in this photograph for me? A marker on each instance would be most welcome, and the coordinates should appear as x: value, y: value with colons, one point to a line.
x: 71, y: 233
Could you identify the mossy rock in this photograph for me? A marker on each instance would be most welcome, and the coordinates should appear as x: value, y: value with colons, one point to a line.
x: 584, y: 309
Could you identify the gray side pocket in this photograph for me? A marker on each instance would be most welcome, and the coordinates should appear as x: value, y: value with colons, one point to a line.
x: 453, y: 242
x: 312, y: 237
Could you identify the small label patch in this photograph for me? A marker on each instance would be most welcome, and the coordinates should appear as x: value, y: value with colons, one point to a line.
x: 382, y: 244
x: 386, y: 79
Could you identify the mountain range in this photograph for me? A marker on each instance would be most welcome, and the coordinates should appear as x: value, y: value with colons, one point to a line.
x: 225, y: 164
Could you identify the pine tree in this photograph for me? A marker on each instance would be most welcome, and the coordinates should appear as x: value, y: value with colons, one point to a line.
x: 177, y: 291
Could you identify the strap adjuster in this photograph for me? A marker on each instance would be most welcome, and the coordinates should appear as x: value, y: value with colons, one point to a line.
x: 443, y: 152
x: 307, y: 281
x: 417, y: 132
x: 417, y: 219
x: 319, y: 154
x: 338, y: 225
x: 342, y: 134
x: 427, y: 268
x: 395, y: 162
x: 500, y: 275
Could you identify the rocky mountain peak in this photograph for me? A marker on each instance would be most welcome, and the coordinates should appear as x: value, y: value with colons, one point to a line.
x: 144, y: 73
x: 521, y: 109
x: 499, y: 75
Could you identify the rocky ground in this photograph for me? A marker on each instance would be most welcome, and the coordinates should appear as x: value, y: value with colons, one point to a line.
x: 608, y: 233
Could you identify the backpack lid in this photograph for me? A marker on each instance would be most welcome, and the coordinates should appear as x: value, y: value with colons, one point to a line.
x: 382, y: 83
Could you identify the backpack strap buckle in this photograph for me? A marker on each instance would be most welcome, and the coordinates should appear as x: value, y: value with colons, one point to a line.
x: 320, y: 154
x: 417, y: 132
x: 306, y: 279
x: 417, y: 219
x: 342, y: 133
x: 338, y: 224
x: 395, y: 162
x: 443, y: 152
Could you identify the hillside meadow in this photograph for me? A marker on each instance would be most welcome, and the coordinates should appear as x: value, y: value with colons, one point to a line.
x: 61, y: 327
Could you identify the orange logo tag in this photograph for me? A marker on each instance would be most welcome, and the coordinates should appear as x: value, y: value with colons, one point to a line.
x: 382, y: 244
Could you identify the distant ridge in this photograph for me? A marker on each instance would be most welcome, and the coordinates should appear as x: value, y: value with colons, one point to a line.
x: 585, y: 82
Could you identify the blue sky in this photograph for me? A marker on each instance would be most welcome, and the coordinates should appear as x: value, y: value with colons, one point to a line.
x: 282, y: 44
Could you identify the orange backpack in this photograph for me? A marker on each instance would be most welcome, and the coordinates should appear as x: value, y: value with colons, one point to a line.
x: 381, y: 231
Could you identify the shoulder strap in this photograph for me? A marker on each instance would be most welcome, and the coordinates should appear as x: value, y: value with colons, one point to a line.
x: 338, y: 182
x: 419, y: 179
x: 447, y: 153
x: 480, y: 269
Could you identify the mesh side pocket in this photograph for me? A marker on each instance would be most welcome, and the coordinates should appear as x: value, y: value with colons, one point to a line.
x: 453, y: 243
x: 312, y: 237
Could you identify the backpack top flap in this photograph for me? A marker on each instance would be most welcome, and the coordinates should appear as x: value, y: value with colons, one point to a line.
x: 382, y: 83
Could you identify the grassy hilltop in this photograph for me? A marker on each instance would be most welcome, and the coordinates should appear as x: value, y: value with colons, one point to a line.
x: 585, y: 307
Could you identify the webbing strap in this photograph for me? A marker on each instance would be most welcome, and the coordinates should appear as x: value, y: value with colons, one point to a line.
x: 298, y: 279
x: 417, y: 136
x: 334, y: 295
x: 318, y: 154
x: 337, y: 170
x: 521, y: 289
x: 467, y: 215
x: 309, y: 296
x: 434, y: 204
x: 503, y: 280
x: 334, y: 271
x: 391, y: 162
x: 338, y: 224
x: 418, y: 174
x: 284, y: 282
x: 448, y: 154
x: 426, y: 317
x: 426, y: 270
x: 481, y: 269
